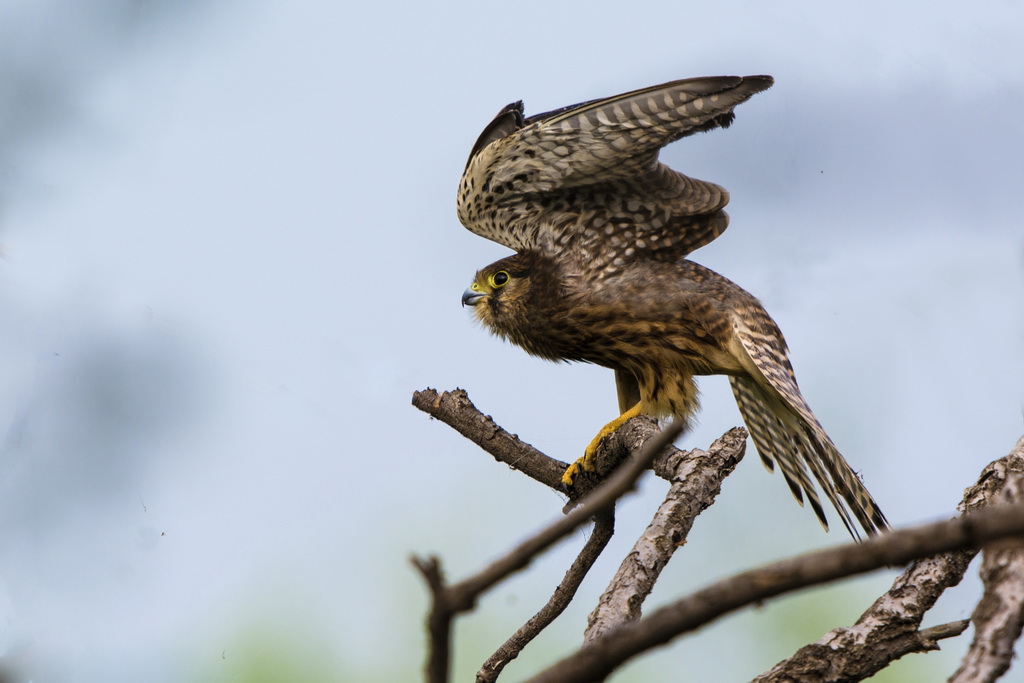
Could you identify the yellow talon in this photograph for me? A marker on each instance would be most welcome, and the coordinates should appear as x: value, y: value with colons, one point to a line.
x: 571, y: 471
x: 586, y: 463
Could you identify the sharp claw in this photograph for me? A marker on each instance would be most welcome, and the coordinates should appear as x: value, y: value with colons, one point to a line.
x: 584, y: 464
x: 570, y: 473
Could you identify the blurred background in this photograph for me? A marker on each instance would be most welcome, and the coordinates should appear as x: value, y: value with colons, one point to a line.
x: 229, y: 254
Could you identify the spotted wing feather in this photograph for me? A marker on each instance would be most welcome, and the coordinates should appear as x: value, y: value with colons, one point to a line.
x: 587, y: 176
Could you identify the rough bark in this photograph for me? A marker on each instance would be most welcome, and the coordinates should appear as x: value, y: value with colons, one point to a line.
x: 993, y: 519
x: 602, y: 656
x: 696, y: 480
x: 999, y: 616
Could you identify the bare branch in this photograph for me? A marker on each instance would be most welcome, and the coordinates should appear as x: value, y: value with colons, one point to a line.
x: 596, y: 661
x: 604, y: 526
x: 944, y: 631
x: 439, y: 621
x: 456, y: 410
x: 888, y: 629
x: 819, y: 662
x: 696, y: 479
x: 885, y: 632
x: 999, y: 616
x: 599, y: 500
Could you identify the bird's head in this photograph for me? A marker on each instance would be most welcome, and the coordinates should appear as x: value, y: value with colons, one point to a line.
x: 500, y: 291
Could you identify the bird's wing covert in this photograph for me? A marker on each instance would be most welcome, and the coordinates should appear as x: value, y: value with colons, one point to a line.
x: 542, y: 181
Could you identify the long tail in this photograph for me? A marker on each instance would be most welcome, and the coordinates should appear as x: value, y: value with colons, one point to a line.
x: 795, y: 440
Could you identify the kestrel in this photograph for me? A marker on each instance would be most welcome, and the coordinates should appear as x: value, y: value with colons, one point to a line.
x: 601, y: 230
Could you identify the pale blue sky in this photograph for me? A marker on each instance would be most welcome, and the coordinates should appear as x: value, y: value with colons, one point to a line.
x: 230, y: 254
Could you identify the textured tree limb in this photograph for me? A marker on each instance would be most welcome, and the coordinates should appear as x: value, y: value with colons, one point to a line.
x: 439, y: 621
x: 456, y: 410
x: 449, y: 601
x: 943, y: 631
x: 999, y: 616
x: 604, y: 527
x: 885, y: 632
x: 462, y: 595
x: 596, y: 661
x: 638, y: 435
x: 831, y: 659
x: 889, y: 628
x: 696, y: 479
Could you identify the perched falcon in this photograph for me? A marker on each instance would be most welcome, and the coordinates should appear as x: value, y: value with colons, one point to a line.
x: 601, y: 230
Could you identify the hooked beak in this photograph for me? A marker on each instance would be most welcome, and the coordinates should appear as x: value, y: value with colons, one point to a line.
x: 471, y: 297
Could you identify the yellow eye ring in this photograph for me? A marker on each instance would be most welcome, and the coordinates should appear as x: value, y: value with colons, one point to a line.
x: 499, y: 279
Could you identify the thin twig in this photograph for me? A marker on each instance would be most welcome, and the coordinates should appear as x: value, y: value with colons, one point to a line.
x: 944, y: 631
x: 604, y: 527
x: 439, y: 621
x: 596, y: 661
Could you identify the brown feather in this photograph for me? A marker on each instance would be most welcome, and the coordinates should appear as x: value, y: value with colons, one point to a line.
x: 601, y: 229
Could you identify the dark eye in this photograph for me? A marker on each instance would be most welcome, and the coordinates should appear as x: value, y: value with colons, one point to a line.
x: 499, y: 279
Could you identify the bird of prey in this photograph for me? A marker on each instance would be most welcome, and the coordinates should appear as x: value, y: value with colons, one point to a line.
x: 601, y: 231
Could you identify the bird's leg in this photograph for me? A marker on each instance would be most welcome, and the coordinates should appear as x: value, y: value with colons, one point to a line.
x: 586, y: 463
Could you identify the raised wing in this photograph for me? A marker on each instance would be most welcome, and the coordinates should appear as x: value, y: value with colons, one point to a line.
x: 588, y: 174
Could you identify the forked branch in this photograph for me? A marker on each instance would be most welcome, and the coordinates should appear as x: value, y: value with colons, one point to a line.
x: 597, y: 660
x: 448, y: 601
x: 999, y: 617
x: 886, y: 631
x: 889, y: 628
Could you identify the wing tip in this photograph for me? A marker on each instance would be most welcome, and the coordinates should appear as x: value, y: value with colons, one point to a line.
x: 507, y: 121
x: 758, y: 83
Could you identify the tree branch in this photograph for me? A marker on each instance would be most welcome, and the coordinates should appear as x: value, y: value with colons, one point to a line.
x: 888, y: 629
x: 456, y: 409
x: 596, y: 661
x: 463, y: 594
x: 999, y: 616
x: 439, y: 620
x: 885, y: 632
x: 604, y: 527
x: 696, y: 479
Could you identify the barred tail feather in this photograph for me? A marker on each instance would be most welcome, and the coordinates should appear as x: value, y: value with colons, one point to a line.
x: 785, y: 436
x: 846, y: 482
x: 774, y: 443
